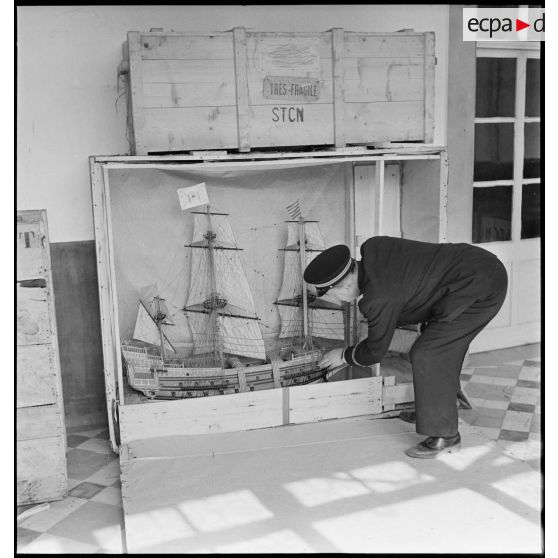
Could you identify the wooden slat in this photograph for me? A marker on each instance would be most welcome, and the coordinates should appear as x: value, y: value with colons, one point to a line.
x: 241, y: 80
x: 369, y: 69
x: 33, y: 318
x: 222, y: 93
x: 44, y: 421
x: 443, y: 215
x: 163, y: 46
x: 208, y: 128
x: 315, y: 129
x: 136, y: 92
x: 338, y: 88
x: 388, y: 382
x: 383, y: 45
x: 385, y: 150
x: 254, y: 41
x: 114, y: 321
x: 36, y: 376
x: 170, y: 95
x: 399, y: 393
x: 41, y: 470
x: 223, y: 413
x: 379, y: 198
x: 384, y: 121
x: 315, y: 402
x: 429, y: 68
x: 54, y: 339
x: 218, y: 72
x: 102, y: 248
x: 29, y: 247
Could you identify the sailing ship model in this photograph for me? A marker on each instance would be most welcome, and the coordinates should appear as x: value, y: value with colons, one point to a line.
x: 229, y: 354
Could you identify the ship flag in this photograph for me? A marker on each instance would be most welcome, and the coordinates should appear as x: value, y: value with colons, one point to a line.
x: 294, y: 210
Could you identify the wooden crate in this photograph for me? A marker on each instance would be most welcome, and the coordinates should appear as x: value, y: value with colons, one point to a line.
x: 131, y: 418
x: 241, y: 89
x: 41, y: 433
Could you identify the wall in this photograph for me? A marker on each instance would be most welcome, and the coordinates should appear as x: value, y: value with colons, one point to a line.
x: 70, y: 107
x: 68, y: 103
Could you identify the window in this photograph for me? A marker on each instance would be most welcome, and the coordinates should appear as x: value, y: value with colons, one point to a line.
x: 506, y: 187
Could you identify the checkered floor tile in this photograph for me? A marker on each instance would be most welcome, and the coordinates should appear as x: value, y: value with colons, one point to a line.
x: 90, y: 518
x: 503, y: 386
x: 506, y: 395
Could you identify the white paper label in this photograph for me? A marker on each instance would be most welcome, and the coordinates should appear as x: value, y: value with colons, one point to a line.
x: 192, y: 196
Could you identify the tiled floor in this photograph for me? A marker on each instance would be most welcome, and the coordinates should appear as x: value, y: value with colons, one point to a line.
x: 504, y: 387
x: 90, y: 518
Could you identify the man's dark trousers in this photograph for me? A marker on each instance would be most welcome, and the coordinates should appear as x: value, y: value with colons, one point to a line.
x: 437, y: 356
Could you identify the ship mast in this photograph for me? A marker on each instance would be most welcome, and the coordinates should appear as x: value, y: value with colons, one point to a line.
x: 213, y: 302
x: 159, y: 319
x: 306, y: 338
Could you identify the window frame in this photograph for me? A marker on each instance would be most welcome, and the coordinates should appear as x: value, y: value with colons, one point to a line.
x: 521, y: 52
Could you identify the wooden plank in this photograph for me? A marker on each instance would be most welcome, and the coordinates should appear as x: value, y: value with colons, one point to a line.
x: 171, y: 95
x: 384, y: 121
x: 399, y: 393
x: 241, y: 80
x: 429, y: 69
x: 315, y: 402
x: 223, y: 413
x: 54, y: 328
x: 379, y: 198
x: 114, y: 322
x: 388, y: 381
x: 443, y: 215
x: 289, y: 42
x: 311, y: 124
x: 41, y: 470
x: 384, y: 45
x: 350, y: 309
x: 163, y: 46
x: 386, y: 150
x: 258, y: 440
x: 33, y: 318
x: 36, y: 376
x: 390, y: 83
x: 102, y: 248
x: 29, y: 249
x: 43, y: 421
x: 217, y: 72
x: 370, y: 69
x: 136, y: 92
x: 337, y: 42
x: 208, y: 128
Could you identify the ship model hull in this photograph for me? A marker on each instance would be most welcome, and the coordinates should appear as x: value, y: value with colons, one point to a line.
x: 147, y: 373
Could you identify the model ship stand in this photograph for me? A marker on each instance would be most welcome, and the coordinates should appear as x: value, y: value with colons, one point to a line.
x: 229, y: 355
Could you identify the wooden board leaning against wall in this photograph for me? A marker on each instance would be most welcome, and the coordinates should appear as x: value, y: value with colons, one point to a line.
x: 414, y: 176
x: 41, y: 433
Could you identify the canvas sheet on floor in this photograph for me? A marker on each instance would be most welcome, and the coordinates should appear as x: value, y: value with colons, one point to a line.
x: 334, y: 486
x: 150, y: 231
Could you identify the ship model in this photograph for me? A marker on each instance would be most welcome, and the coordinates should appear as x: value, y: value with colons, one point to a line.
x: 229, y: 354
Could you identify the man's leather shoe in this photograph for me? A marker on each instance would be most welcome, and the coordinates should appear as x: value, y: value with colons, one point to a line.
x: 408, y: 416
x: 434, y: 446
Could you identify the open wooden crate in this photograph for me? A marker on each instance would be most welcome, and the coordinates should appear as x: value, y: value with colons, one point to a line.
x: 399, y: 192
x: 242, y: 89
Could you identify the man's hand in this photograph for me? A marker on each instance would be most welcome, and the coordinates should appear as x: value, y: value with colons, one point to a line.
x: 332, y: 359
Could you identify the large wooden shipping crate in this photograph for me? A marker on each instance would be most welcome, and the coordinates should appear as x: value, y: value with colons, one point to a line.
x: 41, y: 434
x: 399, y: 192
x: 169, y: 448
x: 242, y: 89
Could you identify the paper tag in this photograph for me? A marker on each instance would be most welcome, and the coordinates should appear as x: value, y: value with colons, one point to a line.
x: 192, y: 196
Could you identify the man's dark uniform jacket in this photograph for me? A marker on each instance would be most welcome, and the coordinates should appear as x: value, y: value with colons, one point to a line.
x: 455, y: 289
